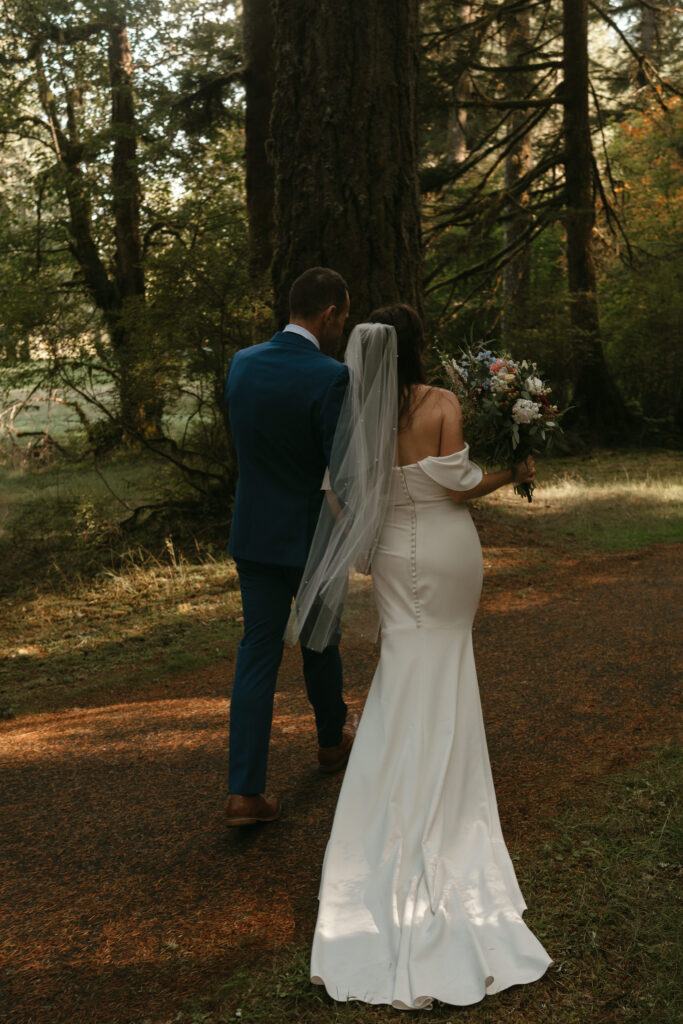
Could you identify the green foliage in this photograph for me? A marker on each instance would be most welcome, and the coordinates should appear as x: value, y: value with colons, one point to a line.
x: 196, y: 308
x: 200, y: 302
x: 199, y: 305
x: 468, y: 82
x: 642, y: 298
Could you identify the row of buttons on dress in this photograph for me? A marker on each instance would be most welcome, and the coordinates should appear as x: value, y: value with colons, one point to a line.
x: 413, y: 550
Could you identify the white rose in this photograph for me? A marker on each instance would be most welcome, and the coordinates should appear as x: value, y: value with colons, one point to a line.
x: 535, y: 386
x: 524, y: 411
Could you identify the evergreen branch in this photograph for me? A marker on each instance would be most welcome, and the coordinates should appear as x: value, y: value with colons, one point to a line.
x: 610, y: 210
x: 499, y: 259
x: 451, y: 170
x: 507, y: 147
x: 490, y: 211
x: 160, y: 227
x: 503, y: 68
x: 658, y: 9
x: 488, y: 103
x: 170, y: 450
x: 484, y: 21
x: 209, y: 90
x: 28, y: 119
x: 435, y: 178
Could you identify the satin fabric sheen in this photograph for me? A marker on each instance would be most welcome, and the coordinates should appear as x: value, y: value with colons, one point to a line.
x: 418, y: 898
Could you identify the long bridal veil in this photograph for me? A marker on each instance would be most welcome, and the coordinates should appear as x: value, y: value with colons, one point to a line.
x: 359, y: 480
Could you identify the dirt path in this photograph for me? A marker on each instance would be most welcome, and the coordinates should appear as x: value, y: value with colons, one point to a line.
x: 122, y: 892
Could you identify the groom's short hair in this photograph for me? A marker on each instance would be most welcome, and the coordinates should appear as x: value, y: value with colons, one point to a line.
x: 315, y: 290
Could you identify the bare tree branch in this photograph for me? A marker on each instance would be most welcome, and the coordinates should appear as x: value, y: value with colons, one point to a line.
x: 53, y: 33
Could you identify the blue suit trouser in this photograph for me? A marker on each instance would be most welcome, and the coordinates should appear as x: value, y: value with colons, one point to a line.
x: 267, y: 592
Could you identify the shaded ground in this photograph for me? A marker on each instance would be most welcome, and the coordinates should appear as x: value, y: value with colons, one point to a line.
x: 121, y: 890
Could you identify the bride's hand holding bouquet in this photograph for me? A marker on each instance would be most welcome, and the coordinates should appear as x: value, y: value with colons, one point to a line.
x: 506, y: 410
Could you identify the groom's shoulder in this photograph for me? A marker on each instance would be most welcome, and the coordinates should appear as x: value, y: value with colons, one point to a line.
x: 273, y: 348
x: 252, y: 355
x: 297, y: 359
x: 255, y: 350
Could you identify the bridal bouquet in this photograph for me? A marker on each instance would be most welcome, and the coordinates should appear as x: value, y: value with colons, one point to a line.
x: 505, y: 407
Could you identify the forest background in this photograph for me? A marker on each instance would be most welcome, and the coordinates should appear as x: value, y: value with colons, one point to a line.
x: 512, y: 168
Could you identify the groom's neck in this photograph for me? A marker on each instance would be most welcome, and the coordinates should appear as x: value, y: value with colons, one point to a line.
x: 313, y: 326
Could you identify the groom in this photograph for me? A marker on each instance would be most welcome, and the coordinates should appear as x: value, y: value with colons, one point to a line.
x: 283, y: 398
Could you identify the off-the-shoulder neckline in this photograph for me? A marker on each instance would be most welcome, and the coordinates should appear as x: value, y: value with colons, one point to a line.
x: 435, y: 458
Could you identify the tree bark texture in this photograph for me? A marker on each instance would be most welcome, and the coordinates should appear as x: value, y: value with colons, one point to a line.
x: 141, y: 404
x: 597, y: 406
x: 68, y: 150
x: 345, y: 152
x: 257, y: 30
x: 518, y: 217
x: 124, y: 172
x: 120, y: 292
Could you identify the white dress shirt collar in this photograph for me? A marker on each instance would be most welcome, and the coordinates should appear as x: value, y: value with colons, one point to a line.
x: 297, y: 329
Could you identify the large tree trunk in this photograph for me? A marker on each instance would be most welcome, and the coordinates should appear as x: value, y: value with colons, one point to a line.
x: 344, y: 129
x: 140, y: 399
x: 517, y: 273
x: 597, y: 407
x: 257, y: 28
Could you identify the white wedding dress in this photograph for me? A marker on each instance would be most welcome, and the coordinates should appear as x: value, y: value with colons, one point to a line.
x: 418, y: 898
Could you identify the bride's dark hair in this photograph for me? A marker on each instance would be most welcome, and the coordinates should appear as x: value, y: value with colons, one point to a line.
x: 410, y: 340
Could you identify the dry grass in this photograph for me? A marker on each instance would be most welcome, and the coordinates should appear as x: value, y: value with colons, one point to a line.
x: 145, y: 619
x: 82, y: 600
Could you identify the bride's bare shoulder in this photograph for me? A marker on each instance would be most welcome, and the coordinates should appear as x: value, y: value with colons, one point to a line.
x: 441, y: 400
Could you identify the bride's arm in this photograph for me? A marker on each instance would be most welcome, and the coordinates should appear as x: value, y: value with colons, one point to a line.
x: 452, y: 440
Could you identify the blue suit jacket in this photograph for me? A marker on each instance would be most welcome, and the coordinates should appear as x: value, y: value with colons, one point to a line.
x: 283, y: 398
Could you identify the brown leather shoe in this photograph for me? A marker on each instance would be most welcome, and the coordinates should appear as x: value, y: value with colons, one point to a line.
x: 333, y: 759
x: 250, y: 810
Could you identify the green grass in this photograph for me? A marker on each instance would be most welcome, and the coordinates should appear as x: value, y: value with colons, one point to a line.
x: 113, y: 486
x: 61, y: 520
x: 37, y: 404
x: 606, y: 501
x: 604, y: 892
x: 48, y: 409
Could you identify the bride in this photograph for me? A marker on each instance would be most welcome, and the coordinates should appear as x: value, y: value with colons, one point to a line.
x: 418, y: 898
